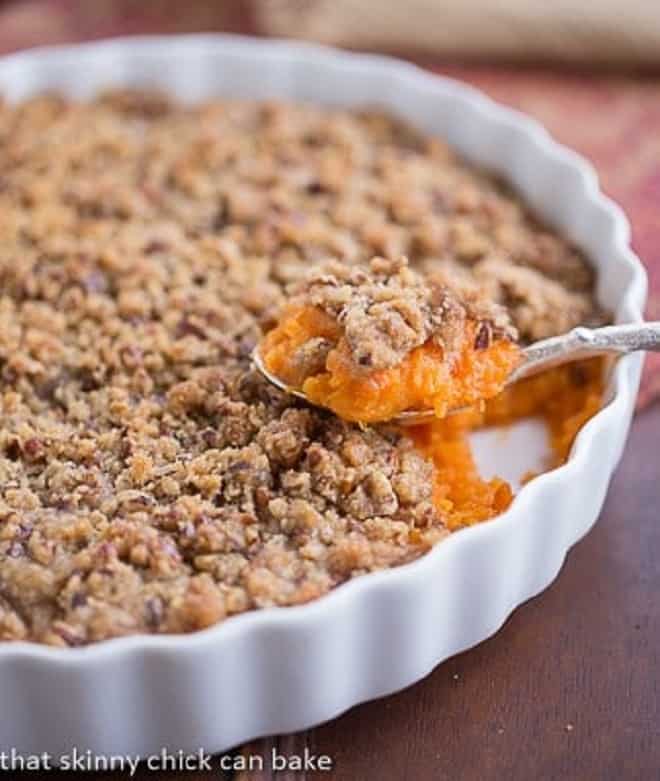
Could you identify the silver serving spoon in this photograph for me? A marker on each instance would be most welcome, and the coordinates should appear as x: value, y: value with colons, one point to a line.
x: 579, y: 343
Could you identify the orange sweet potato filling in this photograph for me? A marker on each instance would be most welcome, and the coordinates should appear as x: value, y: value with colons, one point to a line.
x: 565, y: 398
x: 423, y: 379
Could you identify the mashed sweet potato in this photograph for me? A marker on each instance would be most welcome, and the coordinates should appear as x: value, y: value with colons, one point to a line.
x: 565, y: 398
x: 424, y: 379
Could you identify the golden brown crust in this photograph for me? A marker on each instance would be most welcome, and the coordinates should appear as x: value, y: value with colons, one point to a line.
x: 150, y: 481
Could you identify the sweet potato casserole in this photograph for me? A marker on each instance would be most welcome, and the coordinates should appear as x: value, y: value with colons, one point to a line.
x: 151, y: 480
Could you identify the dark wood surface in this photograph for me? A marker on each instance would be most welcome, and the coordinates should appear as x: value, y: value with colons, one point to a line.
x: 569, y: 689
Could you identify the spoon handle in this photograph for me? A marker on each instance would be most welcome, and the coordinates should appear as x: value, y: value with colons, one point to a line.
x: 586, y: 343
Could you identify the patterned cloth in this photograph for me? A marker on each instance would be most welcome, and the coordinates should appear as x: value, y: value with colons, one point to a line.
x: 614, y: 120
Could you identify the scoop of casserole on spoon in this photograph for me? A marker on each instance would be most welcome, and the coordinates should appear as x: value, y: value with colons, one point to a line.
x: 382, y: 344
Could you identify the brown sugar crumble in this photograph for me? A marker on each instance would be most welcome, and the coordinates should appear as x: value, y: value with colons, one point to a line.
x: 370, y: 342
x: 385, y: 309
x: 150, y: 480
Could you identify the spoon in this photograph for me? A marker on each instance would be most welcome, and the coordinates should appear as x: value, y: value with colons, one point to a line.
x: 576, y: 344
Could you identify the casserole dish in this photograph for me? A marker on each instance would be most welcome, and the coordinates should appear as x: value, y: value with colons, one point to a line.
x: 281, y: 670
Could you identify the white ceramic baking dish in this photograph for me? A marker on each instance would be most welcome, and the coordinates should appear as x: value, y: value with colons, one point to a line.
x: 280, y: 670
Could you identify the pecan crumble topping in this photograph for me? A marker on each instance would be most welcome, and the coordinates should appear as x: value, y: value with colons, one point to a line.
x: 150, y: 480
x: 385, y: 309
